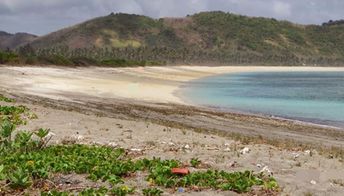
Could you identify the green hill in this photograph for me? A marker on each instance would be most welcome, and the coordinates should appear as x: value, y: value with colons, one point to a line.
x: 208, y: 37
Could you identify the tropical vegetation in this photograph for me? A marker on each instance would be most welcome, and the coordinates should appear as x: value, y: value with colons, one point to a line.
x: 28, y: 164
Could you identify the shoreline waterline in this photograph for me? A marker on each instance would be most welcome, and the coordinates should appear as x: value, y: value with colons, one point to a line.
x: 157, y: 84
x: 186, y: 96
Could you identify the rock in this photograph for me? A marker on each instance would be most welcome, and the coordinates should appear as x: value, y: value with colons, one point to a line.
x: 307, y: 152
x: 313, y: 182
x: 227, y: 149
x: 187, y: 146
x: 245, y: 150
x: 296, y: 155
x: 97, y: 143
x: 78, y: 137
x: 233, y: 164
x: 267, y: 170
x: 112, y: 144
x: 136, y: 150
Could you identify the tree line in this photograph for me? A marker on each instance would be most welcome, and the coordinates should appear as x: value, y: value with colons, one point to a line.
x: 143, y: 56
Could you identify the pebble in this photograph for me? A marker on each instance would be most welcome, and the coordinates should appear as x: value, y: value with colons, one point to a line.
x: 112, y: 144
x: 187, y: 146
x: 245, y: 150
x: 266, y: 169
x: 307, y: 152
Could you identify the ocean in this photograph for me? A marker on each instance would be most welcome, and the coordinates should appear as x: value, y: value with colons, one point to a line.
x: 315, y: 97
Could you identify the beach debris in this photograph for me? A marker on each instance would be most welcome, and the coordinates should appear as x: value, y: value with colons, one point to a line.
x: 181, y: 171
x: 233, y: 164
x: 97, y: 143
x: 296, y: 155
x: 245, y: 150
x: 186, y: 148
x: 136, y: 150
x: 212, y: 148
x: 48, y: 137
x: 180, y: 190
x: 307, y: 152
x: 119, y: 126
x: 171, y: 144
x: 73, y: 139
x: 195, y: 188
x: 209, y: 163
x: 227, y: 149
x: 313, y: 182
x: 112, y: 144
x: 78, y: 137
x: 259, y: 165
x: 50, y: 134
x: 267, y: 170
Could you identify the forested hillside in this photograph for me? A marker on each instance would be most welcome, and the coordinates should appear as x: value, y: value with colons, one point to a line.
x: 208, y: 37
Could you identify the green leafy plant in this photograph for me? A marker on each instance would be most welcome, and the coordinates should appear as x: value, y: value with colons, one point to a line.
x: 94, y: 192
x: 2, y: 174
x: 152, y: 192
x: 19, y: 179
x: 5, y: 99
x: 122, y: 190
x: 195, y: 162
x: 42, y: 134
x: 26, y: 160
x: 54, y: 193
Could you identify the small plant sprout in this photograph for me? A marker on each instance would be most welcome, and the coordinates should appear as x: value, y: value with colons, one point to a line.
x: 195, y: 162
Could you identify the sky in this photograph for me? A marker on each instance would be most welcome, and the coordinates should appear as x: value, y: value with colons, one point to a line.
x: 43, y: 16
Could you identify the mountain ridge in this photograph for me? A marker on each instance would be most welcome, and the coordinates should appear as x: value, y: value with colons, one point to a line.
x: 204, y: 37
x: 12, y: 41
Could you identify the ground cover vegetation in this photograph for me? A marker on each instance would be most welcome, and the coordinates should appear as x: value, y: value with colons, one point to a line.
x: 28, y: 164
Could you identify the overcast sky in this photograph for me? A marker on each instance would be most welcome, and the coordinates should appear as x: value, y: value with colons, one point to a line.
x: 44, y: 16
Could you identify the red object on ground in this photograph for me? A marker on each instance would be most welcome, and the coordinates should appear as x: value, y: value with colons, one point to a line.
x: 182, y: 171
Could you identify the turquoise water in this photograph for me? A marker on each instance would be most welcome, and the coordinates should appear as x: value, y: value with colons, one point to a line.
x: 316, y: 97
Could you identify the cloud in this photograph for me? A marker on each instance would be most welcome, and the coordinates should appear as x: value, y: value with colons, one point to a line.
x: 41, y: 17
x: 281, y: 8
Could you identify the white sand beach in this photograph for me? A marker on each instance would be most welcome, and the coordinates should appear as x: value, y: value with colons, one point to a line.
x: 153, y: 84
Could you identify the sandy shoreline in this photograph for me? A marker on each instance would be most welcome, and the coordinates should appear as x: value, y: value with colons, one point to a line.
x: 153, y: 84
x: 150, y: 84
